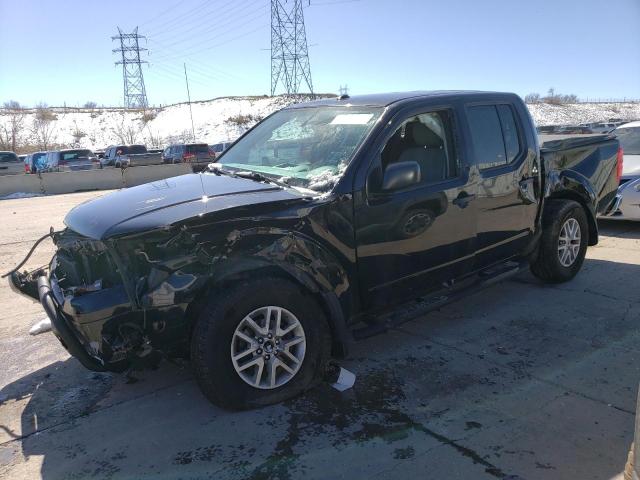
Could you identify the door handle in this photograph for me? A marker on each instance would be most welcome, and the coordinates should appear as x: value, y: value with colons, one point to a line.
x: 463, y: 200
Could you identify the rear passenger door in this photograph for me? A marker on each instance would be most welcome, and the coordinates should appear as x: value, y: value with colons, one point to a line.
x: 507, y: 206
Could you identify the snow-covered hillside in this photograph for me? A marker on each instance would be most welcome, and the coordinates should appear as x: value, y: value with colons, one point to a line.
x: 575, y: 113
x: 227, y: 118
x: 214, y: 121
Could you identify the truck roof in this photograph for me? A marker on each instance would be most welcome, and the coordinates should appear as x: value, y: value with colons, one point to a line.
x: 386, y: 99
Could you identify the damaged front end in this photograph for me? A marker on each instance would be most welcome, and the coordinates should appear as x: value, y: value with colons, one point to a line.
x: 93, y: 310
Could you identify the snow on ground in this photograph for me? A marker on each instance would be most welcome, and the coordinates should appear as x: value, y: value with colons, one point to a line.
x: 575, y: 113
x: 225, y: 119
x: 13, y: 196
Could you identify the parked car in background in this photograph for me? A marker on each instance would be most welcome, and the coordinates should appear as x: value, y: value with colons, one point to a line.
x: 10, y: 164
x: 602, y: 127
x: 218, y: 148
x: 198, y: 154
x: 546, y: 129
x: 121, y: 156
x: 71, y: 160
x: 627, y: 201
x: 298, y: 238
x: 571, y: 129
x: 35, y: 162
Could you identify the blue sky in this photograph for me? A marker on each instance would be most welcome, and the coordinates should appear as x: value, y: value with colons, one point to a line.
x: 59, y: 51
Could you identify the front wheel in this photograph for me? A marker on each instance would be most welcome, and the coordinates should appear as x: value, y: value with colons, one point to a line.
x: 261, y: 342
x: 563, y: 244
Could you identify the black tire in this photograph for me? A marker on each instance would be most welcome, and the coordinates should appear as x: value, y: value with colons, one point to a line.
x: 545, y: 263
x: 213, y: 333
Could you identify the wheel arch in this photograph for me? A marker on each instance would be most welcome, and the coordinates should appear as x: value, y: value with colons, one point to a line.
x: 303, y: 270
x: 572, y: 186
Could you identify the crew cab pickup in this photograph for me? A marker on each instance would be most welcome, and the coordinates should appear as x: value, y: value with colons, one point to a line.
x: 122, y: 156
x: 312, y: 225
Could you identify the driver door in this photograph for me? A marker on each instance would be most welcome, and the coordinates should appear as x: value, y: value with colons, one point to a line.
x: 414, y: 239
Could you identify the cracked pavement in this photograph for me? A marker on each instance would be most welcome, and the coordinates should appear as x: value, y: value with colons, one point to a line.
x: 519, y: 381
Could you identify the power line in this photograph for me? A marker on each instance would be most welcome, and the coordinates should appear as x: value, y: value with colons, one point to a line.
x: 218, y: 33
x: 135, y: 94
x: 289, y: 51
x: 233, y: 39
x: 161, y: 14
x: 205, y: 23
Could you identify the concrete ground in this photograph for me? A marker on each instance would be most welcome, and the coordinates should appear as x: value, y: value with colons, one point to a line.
x: 520, y: 381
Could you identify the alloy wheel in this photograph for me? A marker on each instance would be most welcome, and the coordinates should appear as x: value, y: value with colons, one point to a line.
x: 268, y: 347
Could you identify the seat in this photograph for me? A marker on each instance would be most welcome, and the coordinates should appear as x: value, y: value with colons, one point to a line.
x: 427, y: 149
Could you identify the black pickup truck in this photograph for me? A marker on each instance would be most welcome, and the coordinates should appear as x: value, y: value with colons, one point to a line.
x: 317, y: 221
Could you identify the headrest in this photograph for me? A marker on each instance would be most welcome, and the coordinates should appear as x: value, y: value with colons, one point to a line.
x: 422, y: 135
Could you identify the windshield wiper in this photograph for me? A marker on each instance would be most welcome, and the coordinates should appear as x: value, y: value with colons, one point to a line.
x: 218, y: 170
x: 259, y: 177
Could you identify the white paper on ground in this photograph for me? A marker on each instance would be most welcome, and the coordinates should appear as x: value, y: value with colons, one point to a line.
x: 42, y: 326
x: 346, y: 379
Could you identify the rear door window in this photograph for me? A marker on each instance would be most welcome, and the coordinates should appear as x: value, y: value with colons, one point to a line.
x: 509, y: 132
x: 486, y: 135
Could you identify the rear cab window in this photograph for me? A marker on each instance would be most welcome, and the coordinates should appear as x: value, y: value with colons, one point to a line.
x: 198, y: 148
x: 136, y: 149
x: 8, y: 157
x: 74, y: 155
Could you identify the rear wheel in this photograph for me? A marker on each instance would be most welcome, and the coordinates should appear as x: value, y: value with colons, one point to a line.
x: 563, y: 245
x: 261, y: 342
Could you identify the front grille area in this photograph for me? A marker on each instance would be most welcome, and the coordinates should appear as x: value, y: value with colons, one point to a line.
x: 82, y: 264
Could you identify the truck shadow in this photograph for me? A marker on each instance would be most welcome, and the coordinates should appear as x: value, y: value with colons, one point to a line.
x: 418, y: 387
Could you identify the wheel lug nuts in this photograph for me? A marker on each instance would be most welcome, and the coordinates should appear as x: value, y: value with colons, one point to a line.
x: 267, y: 356
x: 270, y: 336
x: 259, y: 352
x: 260, y: 340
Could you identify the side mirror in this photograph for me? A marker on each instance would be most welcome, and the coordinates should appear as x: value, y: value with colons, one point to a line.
x: 401, y: 175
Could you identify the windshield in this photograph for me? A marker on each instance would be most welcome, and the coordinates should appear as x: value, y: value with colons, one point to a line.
x: 629, y: 140
x: 308, y: 147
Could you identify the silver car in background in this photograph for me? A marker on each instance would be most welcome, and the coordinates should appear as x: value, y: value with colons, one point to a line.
x: 627, y: 201
x: 71, y: 160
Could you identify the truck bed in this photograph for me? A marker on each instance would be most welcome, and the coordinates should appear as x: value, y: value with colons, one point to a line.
x: 572, y: 159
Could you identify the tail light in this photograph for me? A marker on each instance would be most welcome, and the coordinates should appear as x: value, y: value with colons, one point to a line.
x: 188, y: 156
x: 26, y: 168
x: 619, y: 163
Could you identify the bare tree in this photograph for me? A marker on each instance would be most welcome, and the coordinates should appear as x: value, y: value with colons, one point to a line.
x: 532, y: 98
x: 77, y: 134
x: 43, y: 126
x: 12, y: 130
x: 126, y: 131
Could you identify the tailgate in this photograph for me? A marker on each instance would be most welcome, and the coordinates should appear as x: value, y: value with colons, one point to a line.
x: 145, y: 159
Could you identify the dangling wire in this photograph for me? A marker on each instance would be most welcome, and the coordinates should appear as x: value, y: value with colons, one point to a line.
x: 50, y: 234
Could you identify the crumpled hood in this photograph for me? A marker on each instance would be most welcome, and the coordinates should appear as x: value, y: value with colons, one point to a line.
x: 165, y: 202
